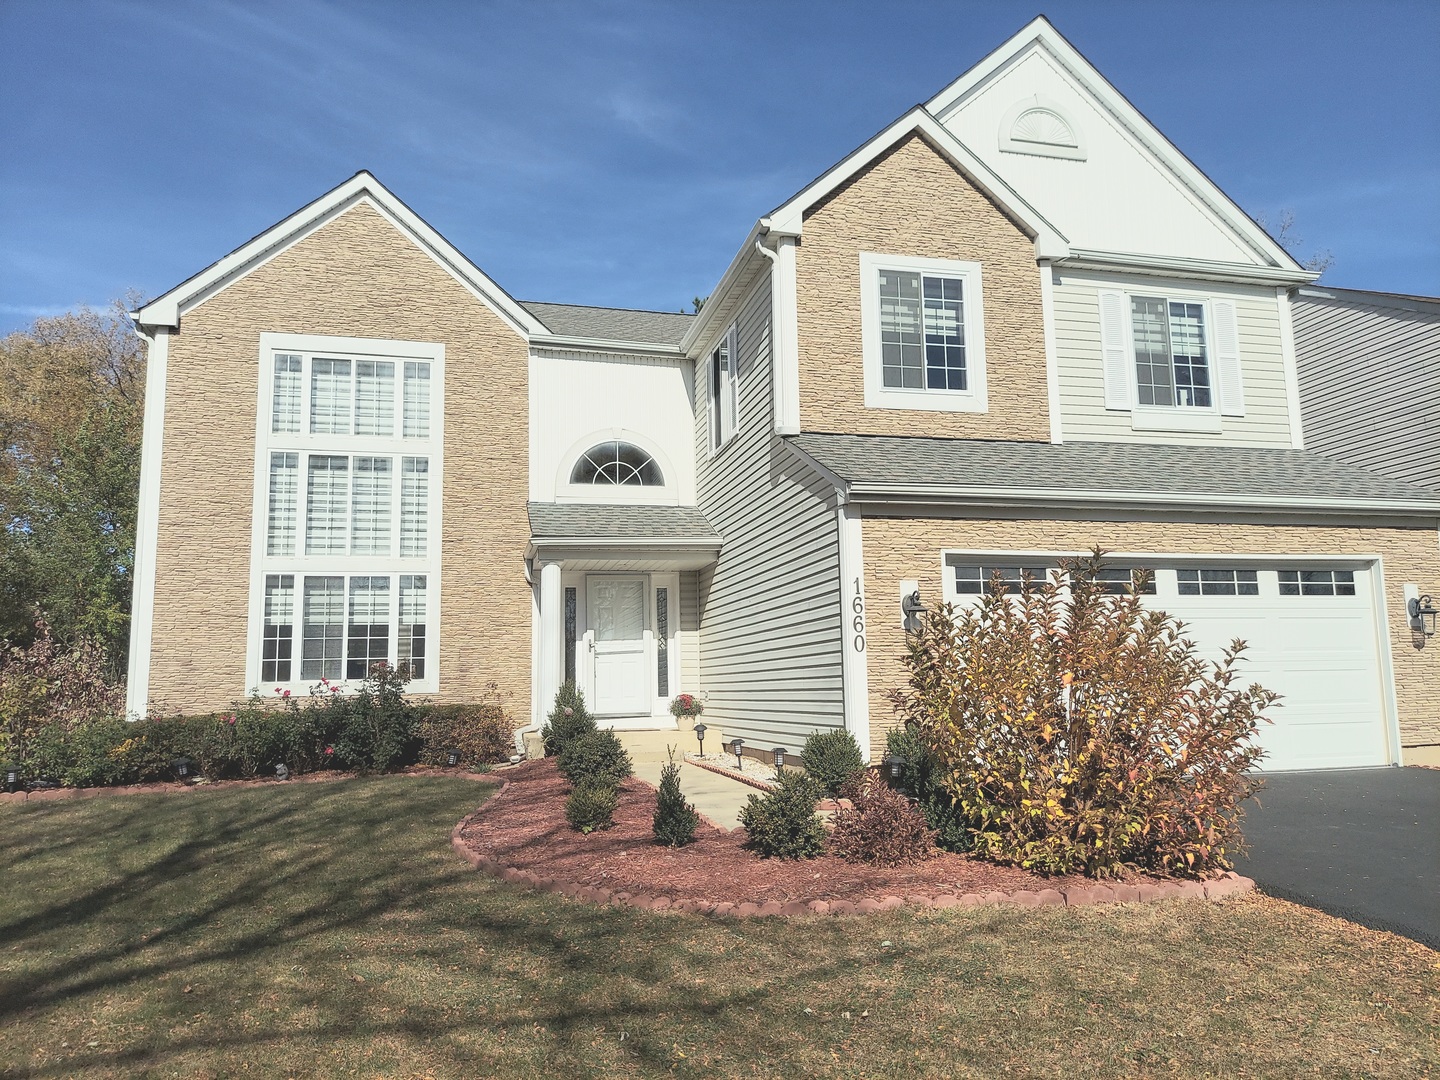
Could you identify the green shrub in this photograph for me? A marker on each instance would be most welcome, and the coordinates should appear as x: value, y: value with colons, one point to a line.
x: 783, y: 822
x: 1079, y: 730
x: 377, y: 725
x: 919, y: 779
x: 675, y: 819
x: 831, y: 758
x: 591, y: 805
x: 882, y: 828
x: 568, y: 720
x: 483, y: 733
x: 596, y: 756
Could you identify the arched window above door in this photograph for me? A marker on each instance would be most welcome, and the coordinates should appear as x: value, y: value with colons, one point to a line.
x: 617, y: 463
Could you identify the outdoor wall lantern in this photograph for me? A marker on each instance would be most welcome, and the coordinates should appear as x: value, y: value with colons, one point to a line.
x: 182, y: 768
x: 1422, y: 608
x: 700, y: 734
x: 452, y: 758
x: 12, y: 779
x: 779, y: 757
x: 282, y: 771
x: 912, y: 608
x: 737, y: 746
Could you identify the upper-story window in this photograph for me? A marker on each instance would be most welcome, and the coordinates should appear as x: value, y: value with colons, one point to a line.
x: 1172, y: 366
x: 1171, y: 359
x: 346, y: 554
x: 923, y: 330
x: 617, y: 462
x: 724, y: 389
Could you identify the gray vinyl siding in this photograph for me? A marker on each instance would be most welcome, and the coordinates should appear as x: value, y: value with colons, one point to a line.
x: 1370, y: 382
x: 1083, y: 415
x: 770, y: 607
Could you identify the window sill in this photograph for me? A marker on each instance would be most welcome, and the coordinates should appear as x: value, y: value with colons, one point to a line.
x: 925, y: 400
x: 1177, y: 419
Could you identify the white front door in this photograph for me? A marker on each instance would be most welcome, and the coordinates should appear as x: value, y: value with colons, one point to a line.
x: 615, y: 609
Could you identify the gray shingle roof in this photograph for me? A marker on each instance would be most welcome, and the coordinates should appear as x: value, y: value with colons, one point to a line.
x: 1227, y: 473
x: 592, y: 521
x: 611, y: 324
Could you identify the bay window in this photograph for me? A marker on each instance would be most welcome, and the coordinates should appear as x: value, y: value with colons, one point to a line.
x: 344, y: 567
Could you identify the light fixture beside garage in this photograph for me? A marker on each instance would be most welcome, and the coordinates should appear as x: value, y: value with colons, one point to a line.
x: 1422, y: 608
x: 911, y: 606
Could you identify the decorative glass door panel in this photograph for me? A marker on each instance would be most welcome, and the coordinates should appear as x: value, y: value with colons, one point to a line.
x: 615, y: 617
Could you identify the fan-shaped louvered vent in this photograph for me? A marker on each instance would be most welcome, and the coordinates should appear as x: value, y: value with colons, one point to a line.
x: 1042, y: 126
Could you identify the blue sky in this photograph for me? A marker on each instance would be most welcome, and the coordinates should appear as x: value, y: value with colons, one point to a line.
x: 617, y: 152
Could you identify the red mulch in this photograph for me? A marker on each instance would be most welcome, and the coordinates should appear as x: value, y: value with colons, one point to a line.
x: 525, y: 827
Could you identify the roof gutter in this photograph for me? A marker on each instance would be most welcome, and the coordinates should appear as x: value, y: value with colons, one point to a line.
x: 1203, y: 269
x: 580, y: 344
x: 1080, y: 499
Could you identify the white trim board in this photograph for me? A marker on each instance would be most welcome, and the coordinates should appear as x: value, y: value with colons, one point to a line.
x: 147, y: 526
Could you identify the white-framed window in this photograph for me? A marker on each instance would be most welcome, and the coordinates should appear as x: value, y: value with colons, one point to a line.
x: 724, y: 395
x: 617, y: 463
x: 923, y: 333
x: 1171, y: 358
x: 345, y: 567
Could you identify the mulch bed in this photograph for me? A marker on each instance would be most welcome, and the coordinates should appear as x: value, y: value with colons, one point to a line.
x: 525, y: 827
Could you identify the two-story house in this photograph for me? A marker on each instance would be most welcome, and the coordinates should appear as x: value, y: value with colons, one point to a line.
x: 1015, y: 324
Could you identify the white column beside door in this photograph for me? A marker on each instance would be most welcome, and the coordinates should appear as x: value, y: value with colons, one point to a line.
x: 552, y: 635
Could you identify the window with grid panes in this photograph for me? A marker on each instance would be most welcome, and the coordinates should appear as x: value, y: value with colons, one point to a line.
x: 1172, y: 366
x: 347, y: 561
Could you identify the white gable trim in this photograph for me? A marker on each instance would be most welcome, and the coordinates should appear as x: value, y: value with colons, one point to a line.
x: 1040, y: 34
x: 167, y: 310
x: 789, y: 220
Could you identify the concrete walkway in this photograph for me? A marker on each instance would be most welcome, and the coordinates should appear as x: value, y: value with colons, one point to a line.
x: 716, y: 797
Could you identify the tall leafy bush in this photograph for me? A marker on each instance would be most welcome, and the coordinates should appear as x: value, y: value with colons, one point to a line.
x: 1079, y: 730
x: 831, y: 758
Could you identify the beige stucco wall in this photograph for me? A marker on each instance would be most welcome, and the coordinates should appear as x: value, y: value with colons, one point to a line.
x: 913, y: 202
x: 898, y: 549
x: 355, y: 277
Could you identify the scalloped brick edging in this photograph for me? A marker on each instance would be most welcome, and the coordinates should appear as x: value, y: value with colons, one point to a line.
x: 174, y: 787
x: 733, y: 774
x: 1232, y: 884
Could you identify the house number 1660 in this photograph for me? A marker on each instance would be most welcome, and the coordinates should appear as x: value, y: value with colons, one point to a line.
x: 857, y: 605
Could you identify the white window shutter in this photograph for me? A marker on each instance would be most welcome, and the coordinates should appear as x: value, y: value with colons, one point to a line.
x: 1114, y: 351
x: 1227, y: 359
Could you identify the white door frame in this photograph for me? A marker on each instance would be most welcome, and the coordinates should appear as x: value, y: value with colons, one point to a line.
x: 659, y: 709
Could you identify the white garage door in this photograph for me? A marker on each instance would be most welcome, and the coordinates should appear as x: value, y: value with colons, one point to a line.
x: 1312, y: 634
x: 1313, y: 638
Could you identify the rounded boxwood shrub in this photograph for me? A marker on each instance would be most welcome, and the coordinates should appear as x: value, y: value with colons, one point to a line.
x: 783, y: 823
x: 596, y: 756
x: 831, y: 758
x: 591, y: 805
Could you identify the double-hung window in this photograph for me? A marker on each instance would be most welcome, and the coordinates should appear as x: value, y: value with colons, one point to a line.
x: 923, y: 333
x: 1171, y: 359
x: 724, y: 389
x: 346, y: 566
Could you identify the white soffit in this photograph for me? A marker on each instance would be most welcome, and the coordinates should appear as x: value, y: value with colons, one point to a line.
x: 788, y: 219
x: 1177, y: 199
x: 166, y: 310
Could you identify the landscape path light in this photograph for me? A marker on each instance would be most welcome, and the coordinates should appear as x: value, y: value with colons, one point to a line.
x: 700, y: 734
x: 737, y: 746
x: 452, y: 758
x: 182, y: 768
x: 12, y: 779
x: 779, y: 757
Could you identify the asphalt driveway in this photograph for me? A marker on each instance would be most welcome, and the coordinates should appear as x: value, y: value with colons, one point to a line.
x: 1363, y: 844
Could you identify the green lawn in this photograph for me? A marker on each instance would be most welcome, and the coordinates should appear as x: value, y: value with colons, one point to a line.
x: 327, y: 929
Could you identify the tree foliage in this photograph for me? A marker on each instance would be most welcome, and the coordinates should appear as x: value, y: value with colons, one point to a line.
x: 71, y: 410
x: 1079, y: 730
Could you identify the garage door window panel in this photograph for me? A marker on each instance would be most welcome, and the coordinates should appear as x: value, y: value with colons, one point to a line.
x: 1317, y: 583
x: 1202, y: 582
x: 978, y: 580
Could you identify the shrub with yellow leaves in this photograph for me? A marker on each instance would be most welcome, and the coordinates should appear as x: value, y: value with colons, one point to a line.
x: 1079, y: 730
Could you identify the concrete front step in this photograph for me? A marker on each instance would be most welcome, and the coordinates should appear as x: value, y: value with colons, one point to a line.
x: 653, y: 745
